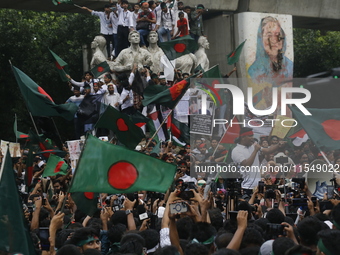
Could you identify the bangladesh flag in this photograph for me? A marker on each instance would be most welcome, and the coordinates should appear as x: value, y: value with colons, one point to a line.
x: 322, y: 126
x: 168, y: 97
x: 57, y: 2
x: 16, y: 132
x: 15, y: 236
x: 108, y: 168
x: 126, y: 131
x: 100, y: 69
x: 234, y: 56
x: 39, y: 103
x: 176, y: 48
x: 180, y: 130
x: 87, y: 202
x: 138, y: 119
x: 61, y: 65
x: 55, y: 165
x: 232, y: 132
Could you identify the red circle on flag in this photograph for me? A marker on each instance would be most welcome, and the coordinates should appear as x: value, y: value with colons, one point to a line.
x: 331, y: 128
x: 215, y: 82
x: 180, y: 47
x: 122, y: 175
x: 43, y: 92
x: 100, y: 69
x: 122, y: 125
x: 89, y: 195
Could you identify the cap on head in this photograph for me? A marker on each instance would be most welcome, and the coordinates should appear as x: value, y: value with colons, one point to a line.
x: 200, y: 6
x: 246, y: 131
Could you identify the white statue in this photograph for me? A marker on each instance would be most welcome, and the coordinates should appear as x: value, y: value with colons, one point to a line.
x: 186, y: 63
x: 200, y: 54
x: 155, y: 51
x: 98, y: 45
x: 131, y: 55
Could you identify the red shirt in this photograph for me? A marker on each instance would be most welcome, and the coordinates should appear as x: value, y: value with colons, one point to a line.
x: 183, y: 27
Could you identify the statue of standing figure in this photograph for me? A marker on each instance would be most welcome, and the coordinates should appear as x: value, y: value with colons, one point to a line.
x: 132, y: 55
x: 200, y: 54
x: 155, y: 51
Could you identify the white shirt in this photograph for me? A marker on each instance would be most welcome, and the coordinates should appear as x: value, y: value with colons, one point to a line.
x: 166, y: 20
x: 114, y: 21
x: 252, y: 176
x: 124, y: 17
x: 129, y: 102
x: 111, y: 99
x: 133, y: 20
x: 104, y: 22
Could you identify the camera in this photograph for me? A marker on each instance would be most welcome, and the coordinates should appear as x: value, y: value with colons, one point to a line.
x: 275, y: 230
x: 179, y: 207
x: 281, y: 160
x: 186, y: 192
x: 270, y: 191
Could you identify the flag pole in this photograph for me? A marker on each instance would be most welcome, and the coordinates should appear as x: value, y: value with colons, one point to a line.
x: 35, y: 127
x: 221, y: 138
x: 57, y: 131
x: 160, y: 126
x: 16, y: 128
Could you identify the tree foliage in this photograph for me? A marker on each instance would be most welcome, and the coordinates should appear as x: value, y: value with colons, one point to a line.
x: 315, y: 51
x: 26, y: 37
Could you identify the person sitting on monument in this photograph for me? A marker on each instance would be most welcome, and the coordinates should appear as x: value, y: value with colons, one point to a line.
x: 143, y: 23
x: 182, y: 25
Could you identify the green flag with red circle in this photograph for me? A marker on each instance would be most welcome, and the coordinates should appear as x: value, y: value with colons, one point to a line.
x: 87, y: 202
x: 55, y: 165
x: 100, y: 69
x: 107, y: 168
x: 126, y: 131
x: 323, y: 126
x: 39, y: 103
x: 176, y: 48
x: 61, y: 66
x: 234, y: 56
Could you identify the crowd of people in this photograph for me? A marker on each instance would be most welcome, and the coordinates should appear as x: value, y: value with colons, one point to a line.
x: 263, y: 211
x: 169, y: 19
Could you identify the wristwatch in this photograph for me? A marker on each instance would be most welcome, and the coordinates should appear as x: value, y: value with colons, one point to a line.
x: 127, y: 212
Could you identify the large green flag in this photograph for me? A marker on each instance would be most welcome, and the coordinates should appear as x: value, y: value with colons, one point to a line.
x: 234, y: 56
x: 176, y: 48
x: 108, y: 168
x: 126, y: 131
x: 87, y: 202
x: 17, y: 133
x: 168, y: 97
x: 15, y: 236
x: 55, y: 165
x: 38, y: 101
x: 322, y: 126
x: 100, y: 69
x: 62, y: 66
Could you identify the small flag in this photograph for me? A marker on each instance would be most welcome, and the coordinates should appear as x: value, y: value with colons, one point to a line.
x: 176, y: 48
x: 57, y: 2
x: 234, y: 56
x: 55, y: 165
x: 126, y: 131
x: 16, y: 132
x: 61, y: 65
x: 100, y: 69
